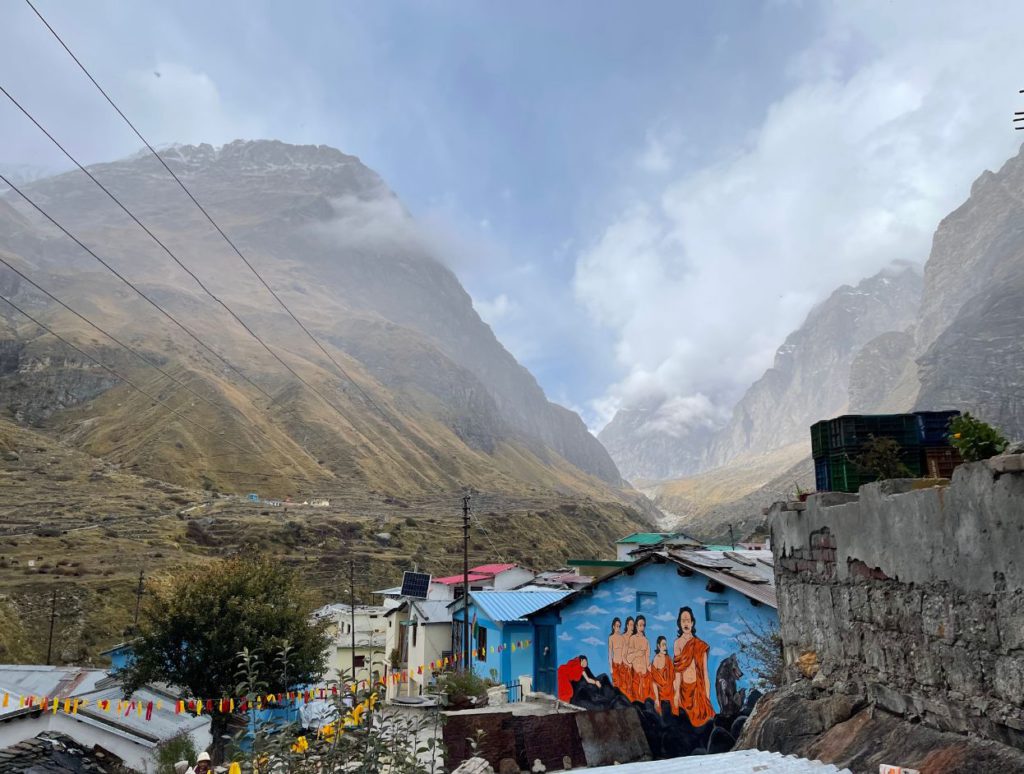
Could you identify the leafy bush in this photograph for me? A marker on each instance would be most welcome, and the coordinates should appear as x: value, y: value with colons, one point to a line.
x: 974, y: 439
x: 462, y: 684
x: 880, y: 457
x: 177, y: 748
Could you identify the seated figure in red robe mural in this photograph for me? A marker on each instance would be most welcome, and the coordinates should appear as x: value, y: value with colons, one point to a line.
x: 571, y: 672
x: 690, y: 663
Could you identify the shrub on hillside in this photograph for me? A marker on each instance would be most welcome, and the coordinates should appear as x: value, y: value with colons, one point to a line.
x: 974, y: 439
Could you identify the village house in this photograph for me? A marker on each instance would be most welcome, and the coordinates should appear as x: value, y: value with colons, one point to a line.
x: 129, y: 735
x: 370, y: 656
x: 719, y: 596
x: 499, y: 630
x: 419, y: 633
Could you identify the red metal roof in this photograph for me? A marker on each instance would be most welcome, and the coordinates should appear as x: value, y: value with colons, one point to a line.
x: 493, y: 569
x: 452, y: 580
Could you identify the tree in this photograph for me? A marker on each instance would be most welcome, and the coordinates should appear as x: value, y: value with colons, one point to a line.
x: 974, y: 439
x: 194, y: 626
x: 881, y: 458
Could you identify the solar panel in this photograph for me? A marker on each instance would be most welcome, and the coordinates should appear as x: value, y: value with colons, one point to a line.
x: 415, y: 584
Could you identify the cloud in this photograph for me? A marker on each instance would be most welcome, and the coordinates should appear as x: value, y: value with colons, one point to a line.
x: 566, y: 637
x: 664, y: 617
x: 890, y: 115
x: 720, y: 652
x: 497, y: 309
x: 586, y: 627
x: 602, y: 594
x: 593, y: 642
x: 726, y: 630
x: 593, y: 610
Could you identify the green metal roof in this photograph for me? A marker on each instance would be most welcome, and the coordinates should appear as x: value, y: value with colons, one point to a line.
x: 647, y: 538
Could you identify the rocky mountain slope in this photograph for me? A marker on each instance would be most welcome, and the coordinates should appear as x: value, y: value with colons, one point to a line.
x: 961, y: 349
x: 425, y: 400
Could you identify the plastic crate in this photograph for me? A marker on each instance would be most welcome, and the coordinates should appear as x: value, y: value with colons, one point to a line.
x: 939, y: 461
x: 819, y: 439
x: 846, y: 475
x: 822, y: 475
x: 933, y: 426
x: 852, y: 431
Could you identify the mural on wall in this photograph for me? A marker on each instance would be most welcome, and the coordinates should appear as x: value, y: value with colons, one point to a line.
x: 680, y: 669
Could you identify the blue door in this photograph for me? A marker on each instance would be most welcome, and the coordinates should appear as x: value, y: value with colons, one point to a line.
x: 545, y: 660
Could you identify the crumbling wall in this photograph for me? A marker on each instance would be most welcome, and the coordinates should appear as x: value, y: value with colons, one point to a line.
x: 912, y: 598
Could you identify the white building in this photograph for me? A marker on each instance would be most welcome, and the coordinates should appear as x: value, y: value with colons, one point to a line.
x: 129, y: 735
x: 419, y: 632
x: 370, y: 641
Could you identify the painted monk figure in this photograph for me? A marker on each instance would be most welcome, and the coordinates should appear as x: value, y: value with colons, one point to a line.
x: 571, y: 672
x: 639, y: 655
x: 617, y: 654
x: 663, y: 676
x: 690, y: 662
x: 626, y: 684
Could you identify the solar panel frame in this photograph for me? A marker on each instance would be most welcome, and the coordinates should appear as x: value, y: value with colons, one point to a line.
x: 415, y: 584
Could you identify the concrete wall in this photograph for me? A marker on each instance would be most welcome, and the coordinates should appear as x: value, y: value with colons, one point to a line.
x: 913, y: 599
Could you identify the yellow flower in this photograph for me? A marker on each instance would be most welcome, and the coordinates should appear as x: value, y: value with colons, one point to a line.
x: 356, y: 715
x: 372, y: 700
x: 234, y: 768
x: 956, y: 435
x: 328, y: 731
x: 301, y: 745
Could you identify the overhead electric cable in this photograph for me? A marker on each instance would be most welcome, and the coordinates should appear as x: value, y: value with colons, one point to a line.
x: 213, y: 223
x: 124, y: 379
x: 173, y: 257
x: 110, y: 336
x: 131, y: 285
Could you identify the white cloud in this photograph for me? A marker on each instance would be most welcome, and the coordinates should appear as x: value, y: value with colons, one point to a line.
x: 726, y: 630
x: 720, y: 652
x: 655, y: 156
x: 593, y: 610
x: 495, y: 310
x: 586, y: 627
x: 665, y: 617
x: 602, y: 594
x: 891, y: 114
x: 593, y: 641
x: 566, y: 637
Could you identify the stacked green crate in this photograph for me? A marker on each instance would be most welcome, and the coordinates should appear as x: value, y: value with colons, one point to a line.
x: 836, y: 445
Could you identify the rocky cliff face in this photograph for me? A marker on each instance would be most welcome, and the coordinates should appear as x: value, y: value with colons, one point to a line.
x: 329, y: 236
x: 647, y: 446
x: 811, y: 375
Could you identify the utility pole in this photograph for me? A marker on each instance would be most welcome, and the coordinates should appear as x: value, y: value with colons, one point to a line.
x: 138, y: 601
x: 352, y: 610
x: 53, y: 617
x: 465, y: 583
x: 732, y: 538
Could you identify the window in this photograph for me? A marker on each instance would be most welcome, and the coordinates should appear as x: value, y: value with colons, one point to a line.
x: 716, y: 611
x: 646, y: 602
x: 359, y: 661
x: 481, y: 643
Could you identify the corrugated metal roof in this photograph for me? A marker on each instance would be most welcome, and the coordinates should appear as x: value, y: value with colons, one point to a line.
x: 39, y: 680
x: 450, y: 580
x: 514, y: 605
x: 432, y: 610
x: 163, y: 724
x: 492, y: 569
x: 736, y: 762
x: 761, y: 583
x: 647, y: 538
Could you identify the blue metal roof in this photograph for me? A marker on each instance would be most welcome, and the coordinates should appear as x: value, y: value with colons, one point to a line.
x: 514, y: 605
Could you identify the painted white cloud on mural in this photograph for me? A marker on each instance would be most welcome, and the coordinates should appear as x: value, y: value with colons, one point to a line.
x: 726, y: 630
x: 593, y: 610
x: 593, y: 641
x: 716, y: 651
x: 565, y: 637
x: 664, y: 617
x: 602, y: 594
x: 586, y: 627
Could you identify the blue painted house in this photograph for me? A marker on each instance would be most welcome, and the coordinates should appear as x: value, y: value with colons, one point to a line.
x: 499, y: 624
x: 662, y: 634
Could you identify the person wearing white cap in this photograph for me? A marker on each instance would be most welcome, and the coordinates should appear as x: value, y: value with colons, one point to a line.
x: 203, y: 763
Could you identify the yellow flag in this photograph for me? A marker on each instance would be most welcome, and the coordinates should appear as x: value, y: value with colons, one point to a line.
x: 67, y: 706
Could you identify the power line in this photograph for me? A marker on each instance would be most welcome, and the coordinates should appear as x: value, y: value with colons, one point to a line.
x: 118, y: 376
x: 213, y: 223
x: 130, y: 284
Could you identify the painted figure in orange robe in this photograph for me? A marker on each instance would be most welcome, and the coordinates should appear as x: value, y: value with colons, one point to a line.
x: 690, y: 662
x: 663, y: 677
x: 638, y: 653
x: 625, y: 681
x: 617, y: 653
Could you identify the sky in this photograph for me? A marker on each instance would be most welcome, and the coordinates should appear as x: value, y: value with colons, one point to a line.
x: 642, y: 198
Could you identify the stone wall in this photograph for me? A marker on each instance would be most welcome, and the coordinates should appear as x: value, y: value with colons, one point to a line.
x: 912, y: 598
